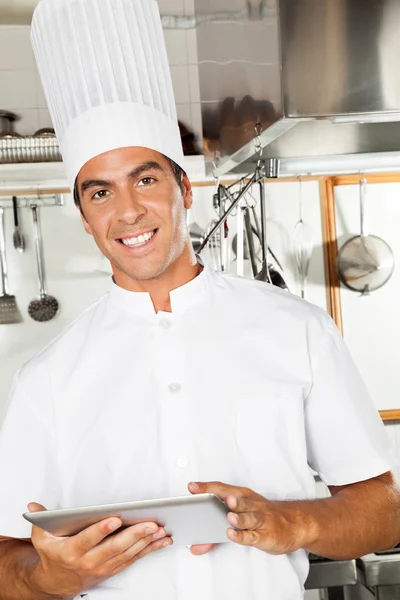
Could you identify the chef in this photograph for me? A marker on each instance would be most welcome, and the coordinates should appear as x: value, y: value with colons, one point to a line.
x: 180, y: 379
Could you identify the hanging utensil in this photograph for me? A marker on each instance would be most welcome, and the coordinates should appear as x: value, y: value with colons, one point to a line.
x: 220, y: 202
x: 250, y: 241
x: 303, y: 246
x: 213, y: 246
x: 240, y: 240
x: 263, y: 274
x: 365, y: 262
x: 196, y: 234
x: 257, y: 231
x: 9, y: 313
x: 45, y: 307
x: 18, y: 238
x: 276, y: 278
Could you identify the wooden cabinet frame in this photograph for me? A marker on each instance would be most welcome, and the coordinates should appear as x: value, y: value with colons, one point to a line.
x: 327, y: 194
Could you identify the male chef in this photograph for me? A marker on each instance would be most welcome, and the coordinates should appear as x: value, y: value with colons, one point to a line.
x: 180, y: 379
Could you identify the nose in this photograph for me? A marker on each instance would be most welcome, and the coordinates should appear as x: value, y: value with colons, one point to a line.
x: 129, y: 206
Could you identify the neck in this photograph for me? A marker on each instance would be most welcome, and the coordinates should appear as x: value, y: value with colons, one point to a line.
x: 181, y: 271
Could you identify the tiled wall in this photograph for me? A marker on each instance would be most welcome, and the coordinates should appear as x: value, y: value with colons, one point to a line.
x: 21, y: 91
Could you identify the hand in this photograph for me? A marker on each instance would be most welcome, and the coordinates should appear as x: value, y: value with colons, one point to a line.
x: 274, y: 527
x: 69, y: 565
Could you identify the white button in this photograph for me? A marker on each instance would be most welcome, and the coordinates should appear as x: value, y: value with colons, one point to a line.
x: 174, y: 387
x: 182, y: 462
x: 165, y: 324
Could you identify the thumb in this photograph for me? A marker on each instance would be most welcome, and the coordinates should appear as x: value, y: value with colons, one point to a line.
x: 38, y: 535
x: 35, y: 507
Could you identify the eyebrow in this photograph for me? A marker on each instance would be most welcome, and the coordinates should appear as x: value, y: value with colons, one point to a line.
x: 149, y: 165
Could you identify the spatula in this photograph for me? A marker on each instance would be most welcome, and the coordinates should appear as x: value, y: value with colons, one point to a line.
x: 9, y: 312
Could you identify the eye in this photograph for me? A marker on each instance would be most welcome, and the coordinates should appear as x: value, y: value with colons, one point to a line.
x: 146, y: 181
x: 100, y: 195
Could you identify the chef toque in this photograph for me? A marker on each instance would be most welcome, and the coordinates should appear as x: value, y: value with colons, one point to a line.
x: 105, y: 74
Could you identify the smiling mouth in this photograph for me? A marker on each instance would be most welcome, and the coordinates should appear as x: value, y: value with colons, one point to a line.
x: 140, y: 240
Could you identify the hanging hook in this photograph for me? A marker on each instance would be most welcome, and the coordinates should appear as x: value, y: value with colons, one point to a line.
x: 257, y: 143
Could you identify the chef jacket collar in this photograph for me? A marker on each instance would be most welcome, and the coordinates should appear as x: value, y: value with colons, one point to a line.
x: 182, y: 298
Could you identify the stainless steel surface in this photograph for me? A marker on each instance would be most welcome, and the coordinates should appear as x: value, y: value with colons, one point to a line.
x: 255, y: 177
x: 335, y: 573
x: 381, y: 570
x: 365, y: 262
x: 249, y: 242
x: 221, y: 201
x: 356, y: 592
x: 3, y: 260
x: 42, y: 201
x: 196, y: 236
x: 45, y: 307
x: 327, y: 69
x: 9, y: 313
x: 303, y: 245
x: 264, y: 273
x: 7, y: 120
x: 18, y: 237
x: 29, y: 149
x: 388, y: 592
x: 339, y: 58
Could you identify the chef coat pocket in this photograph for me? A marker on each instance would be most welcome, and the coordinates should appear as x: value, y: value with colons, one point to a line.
x: 262, y: 427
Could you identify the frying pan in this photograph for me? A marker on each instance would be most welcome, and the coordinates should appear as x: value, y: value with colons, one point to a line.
x: 365, y: 262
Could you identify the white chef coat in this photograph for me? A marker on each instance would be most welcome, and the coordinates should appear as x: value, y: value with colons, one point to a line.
x: 242, y: 383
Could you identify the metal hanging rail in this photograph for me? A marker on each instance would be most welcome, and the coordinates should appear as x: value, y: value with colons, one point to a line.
x: 44, y: 201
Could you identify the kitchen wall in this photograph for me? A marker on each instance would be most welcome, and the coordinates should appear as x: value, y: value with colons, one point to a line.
x: 77, y: 275
x: 371, y: 324
x: 21, y: 91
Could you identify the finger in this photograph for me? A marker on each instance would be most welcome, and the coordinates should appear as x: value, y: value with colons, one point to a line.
x: 136, y: 550
x: 35, y: 507
x: 199, y: 549
x: 248, y: 537
x: 244, y: 503
x: 87, y: 539
x: 222, y: 490
x: 135, y: 537
x: 248, y: 520
x: 38, y: 535
x: 153, y: 547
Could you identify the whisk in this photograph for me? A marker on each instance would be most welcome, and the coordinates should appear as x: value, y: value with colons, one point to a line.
x: 303, y: 246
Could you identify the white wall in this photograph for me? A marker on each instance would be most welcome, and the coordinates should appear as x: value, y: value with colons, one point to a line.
x: 21, y: 91
x: 372, y: 323
x: 71, y: 262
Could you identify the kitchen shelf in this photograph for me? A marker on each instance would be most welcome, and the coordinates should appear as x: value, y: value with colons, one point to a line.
x: 50, y: 176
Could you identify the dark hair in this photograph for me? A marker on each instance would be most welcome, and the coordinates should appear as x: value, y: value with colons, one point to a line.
x: 176, y: 169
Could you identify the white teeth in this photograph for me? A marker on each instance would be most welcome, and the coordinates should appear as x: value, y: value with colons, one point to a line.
x: 141, y: 239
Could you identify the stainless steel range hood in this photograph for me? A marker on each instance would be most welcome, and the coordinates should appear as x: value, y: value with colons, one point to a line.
x: 321, y: 76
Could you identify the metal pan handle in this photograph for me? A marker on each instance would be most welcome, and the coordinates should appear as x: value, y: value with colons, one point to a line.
x: 363, y: 218
x: 39, y: 251
x: 3, y: 262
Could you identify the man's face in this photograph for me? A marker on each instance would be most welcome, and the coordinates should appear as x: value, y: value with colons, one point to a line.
x: 135, y: 210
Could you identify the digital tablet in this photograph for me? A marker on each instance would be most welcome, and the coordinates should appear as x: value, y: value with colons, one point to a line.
x: 198, y: 519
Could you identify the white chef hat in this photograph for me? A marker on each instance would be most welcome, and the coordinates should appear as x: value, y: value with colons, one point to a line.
x: 105, y: 74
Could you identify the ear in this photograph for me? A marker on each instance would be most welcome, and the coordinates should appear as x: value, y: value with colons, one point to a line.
x: 187, y: 192
x: 85, y: 223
